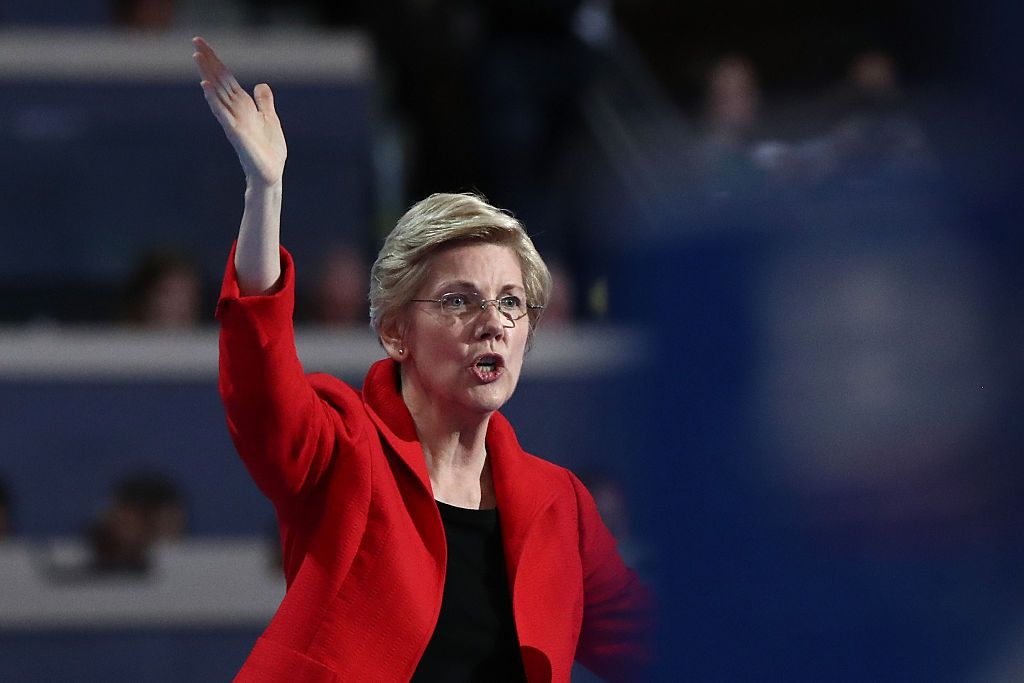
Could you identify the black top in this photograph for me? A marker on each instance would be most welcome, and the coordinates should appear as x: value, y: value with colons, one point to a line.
x: 475, y: 637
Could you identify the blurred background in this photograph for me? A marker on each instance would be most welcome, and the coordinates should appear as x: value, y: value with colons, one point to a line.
x: 785, y: 352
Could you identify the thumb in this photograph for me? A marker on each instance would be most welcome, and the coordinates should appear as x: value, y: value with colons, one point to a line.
x: 264, y: 98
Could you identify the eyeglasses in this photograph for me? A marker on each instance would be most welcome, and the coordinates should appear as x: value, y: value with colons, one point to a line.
x: 464, y: 305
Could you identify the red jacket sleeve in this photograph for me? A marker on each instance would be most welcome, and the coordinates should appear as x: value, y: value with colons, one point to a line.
x: 615, y: 641
x: 285, y: 431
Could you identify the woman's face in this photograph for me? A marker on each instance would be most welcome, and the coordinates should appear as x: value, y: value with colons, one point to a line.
x: 467, y: 364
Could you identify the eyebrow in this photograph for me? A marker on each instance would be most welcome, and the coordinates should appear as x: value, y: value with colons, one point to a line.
x: 455, y: 285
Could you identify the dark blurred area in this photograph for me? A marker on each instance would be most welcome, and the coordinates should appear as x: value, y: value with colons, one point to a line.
x: 143, y: 510
x: 541, y: 106
x: 7, y: 529
x: 833, y: 403
x: 814, y: 211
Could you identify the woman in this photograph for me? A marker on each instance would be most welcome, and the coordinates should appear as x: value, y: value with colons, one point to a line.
x: 397, y: 563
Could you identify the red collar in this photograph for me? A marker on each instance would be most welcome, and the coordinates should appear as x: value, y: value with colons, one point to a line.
x: 522, y: 483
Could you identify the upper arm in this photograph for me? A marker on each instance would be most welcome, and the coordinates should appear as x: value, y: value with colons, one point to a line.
x: 286, y: 427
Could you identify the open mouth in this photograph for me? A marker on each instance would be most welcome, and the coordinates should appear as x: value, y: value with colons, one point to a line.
x: 488, y: 367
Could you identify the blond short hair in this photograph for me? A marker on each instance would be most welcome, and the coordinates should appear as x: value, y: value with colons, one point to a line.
x: 443, y: 220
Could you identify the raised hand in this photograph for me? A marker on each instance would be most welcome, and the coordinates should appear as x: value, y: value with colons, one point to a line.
x: 251, y: 124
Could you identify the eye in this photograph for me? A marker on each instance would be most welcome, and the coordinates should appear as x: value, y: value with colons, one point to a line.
x: 511, y: 304
x: 454, y: 302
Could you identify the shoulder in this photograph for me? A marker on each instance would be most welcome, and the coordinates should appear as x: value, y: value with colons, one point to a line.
x: 330, y: 386
x: 547, y: 469
x: 333, y: 389
x: 342, y: 398
x: 522, y: 466
x: 560, y: 481
x: 542, y: 470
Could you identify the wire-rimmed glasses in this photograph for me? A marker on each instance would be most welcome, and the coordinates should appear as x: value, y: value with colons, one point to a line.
x: 463, y: 305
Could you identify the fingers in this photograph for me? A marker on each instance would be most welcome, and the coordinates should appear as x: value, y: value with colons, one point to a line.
x: 213, y: 70
x: 218, y: 98
x: 225, y: 96
x: 264, y: 99
x: 220, y: 109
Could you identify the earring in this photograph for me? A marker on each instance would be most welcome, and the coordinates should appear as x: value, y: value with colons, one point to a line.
x: 401, y: 351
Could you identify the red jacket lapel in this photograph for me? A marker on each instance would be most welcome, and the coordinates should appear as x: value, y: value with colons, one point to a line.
x: 389, y: 413
x: 521, y: 488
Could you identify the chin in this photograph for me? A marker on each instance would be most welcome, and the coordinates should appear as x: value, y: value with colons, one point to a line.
x: 490, y: 401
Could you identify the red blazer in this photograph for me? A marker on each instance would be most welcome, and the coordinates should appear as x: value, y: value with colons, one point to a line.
x: 363, y: 545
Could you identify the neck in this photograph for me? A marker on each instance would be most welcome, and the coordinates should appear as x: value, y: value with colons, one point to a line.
x: 454, y: 447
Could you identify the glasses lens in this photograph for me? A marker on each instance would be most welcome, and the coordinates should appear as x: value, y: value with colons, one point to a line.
x: 512, y: 306
x: 455, y: 302
x: 459, y: 303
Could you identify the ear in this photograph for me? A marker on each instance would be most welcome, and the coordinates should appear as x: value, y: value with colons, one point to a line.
x: 391, y: 336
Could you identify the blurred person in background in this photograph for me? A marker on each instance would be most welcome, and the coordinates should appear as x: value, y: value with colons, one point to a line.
x: 526, y: 83
x: 144, y: 509
x: 148, y: 15
x: 876, y: 135
x: 164, y: 292
x: 871, y: 136
x: 425, y: 47
x: 725, y: 154
x: 489, y: 95
x: 339, y: 297
x: 408, y: 511
x: 155, y: 16
x: 561, y: 309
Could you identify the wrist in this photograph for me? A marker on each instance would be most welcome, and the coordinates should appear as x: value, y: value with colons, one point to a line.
x: 255, y: 187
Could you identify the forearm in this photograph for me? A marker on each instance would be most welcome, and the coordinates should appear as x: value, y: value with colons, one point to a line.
x: 257, y: 256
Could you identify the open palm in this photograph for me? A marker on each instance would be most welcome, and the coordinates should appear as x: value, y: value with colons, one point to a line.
x: 250, y: 123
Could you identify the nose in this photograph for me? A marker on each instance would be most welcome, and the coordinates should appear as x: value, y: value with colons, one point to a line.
x: 491, y: 321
